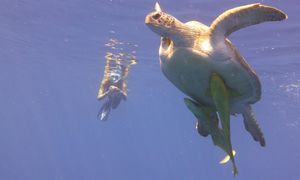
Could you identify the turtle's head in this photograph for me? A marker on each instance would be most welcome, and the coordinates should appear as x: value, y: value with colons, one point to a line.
x: 164, y: 24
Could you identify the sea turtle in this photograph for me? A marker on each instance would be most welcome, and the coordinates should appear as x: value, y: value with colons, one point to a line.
x: 201, y: 62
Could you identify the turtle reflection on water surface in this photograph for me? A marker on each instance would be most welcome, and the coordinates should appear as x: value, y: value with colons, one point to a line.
x: 201, y: 62
x: 113, y: 86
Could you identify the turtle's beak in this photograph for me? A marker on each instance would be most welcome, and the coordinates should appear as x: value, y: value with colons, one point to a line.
x: 152, y: 23
x: 148, y: 19
x: 155, y: 22
x: 153, y: 18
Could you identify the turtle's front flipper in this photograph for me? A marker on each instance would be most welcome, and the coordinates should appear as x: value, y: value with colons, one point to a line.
x: 243, y: 16
x: 252, y: 126
x: 209, y: 121
x: 220, y: 95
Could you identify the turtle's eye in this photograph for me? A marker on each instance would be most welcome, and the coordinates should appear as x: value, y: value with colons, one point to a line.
x: 156, y: 16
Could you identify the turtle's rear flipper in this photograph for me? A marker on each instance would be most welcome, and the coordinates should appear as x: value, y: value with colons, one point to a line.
x: 252, y: 126
x: 201, y: 129
x: 202, y: 115
x: 211, y: 122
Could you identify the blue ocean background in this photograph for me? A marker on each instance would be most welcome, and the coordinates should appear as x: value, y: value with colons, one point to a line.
x: 52, y: 62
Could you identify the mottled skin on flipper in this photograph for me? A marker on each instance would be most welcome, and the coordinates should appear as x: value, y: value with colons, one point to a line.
x: 252, y: 126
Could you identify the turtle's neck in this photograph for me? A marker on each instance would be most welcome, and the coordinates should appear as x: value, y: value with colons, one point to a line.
x: 182, y: 35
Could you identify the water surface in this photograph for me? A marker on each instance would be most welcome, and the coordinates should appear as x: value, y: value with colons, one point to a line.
x: 52, y: 61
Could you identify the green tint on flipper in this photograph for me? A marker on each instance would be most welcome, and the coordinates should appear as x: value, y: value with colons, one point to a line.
x: 220, y: 95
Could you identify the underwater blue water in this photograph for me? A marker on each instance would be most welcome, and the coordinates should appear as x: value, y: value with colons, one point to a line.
x: 52, y: 61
